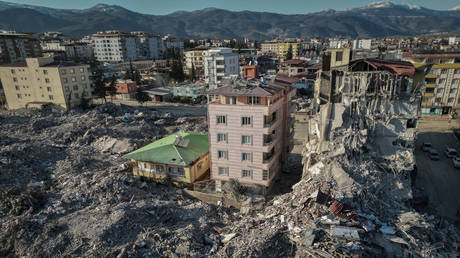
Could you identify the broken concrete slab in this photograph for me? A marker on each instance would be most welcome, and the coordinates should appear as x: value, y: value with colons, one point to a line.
x: 345, y: 232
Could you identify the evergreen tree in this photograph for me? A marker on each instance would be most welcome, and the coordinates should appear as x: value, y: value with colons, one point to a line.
x: 289, y: 53
x: 111, y: 89
x: 193, y: 73
x: 99, y: 90
x: 177, y: 72
x: 142, y: 96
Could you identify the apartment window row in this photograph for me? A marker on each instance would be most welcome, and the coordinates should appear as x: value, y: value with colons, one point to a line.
x: 245, y: 173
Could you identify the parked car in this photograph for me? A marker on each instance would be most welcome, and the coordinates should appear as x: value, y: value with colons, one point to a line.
x: 426, y: 146
x: 433, y: 153
x: 451, y: 153
x: 456, y: 161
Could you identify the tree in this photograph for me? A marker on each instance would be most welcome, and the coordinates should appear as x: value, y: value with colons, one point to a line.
x: 193, y: 73
x: 177, y: 72
x: 289, y: 53
x: 142, y: 96
x: 98, y: 81
x: 111, y: 89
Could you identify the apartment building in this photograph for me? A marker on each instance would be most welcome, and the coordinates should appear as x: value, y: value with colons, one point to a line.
x: 114, y: 46
x: 149, y: 46
x: 43, y: 80
x: 283, y: 48
x: 194, y: 58
x: 362, y: 44
x: 250, y: 132
x: 218, y: 64
x: 442, y: 83
x: 16, y: 47
x: 171, y: 42
x: 72, y: 50
x: 269, y: 47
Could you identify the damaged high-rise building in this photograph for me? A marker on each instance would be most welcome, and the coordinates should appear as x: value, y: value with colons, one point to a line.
x: 365, y: 126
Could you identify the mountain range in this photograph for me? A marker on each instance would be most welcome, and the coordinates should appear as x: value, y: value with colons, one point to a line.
x: 378, y: 19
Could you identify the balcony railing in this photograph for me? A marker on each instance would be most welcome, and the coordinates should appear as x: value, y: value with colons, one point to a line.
x: 269, y: 123
x: 269, y: 156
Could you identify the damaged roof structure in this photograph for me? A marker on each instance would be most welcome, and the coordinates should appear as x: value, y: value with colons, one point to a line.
x: 360, y: 153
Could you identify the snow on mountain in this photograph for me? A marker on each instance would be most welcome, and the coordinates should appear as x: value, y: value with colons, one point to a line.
x: 456, y: 8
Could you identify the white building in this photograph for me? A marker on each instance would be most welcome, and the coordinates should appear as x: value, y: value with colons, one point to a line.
x: 454, y: 40
x: 362, y: 44
x: 338, y: 43
x: 114, y: 46
x: 218, y: 64
x: 72, y: 50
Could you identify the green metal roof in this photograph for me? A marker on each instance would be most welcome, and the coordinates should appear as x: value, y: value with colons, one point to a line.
x: 165, y: 150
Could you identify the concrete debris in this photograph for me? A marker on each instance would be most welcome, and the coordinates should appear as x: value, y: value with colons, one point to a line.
x: 225, y: 238
x: 345, y: 232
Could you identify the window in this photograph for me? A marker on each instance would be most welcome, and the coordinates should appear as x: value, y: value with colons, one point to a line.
x: 51, y: 97
x: 443, y: 71
x: 441, y: 81
x: 440, y: 90
x: 246, y: 139
x: 452, y: 91
x: 74, y: 79
x: 246, y: 173
x: 429, y: 90
x: 82, y: 70
x: 47, y: 80
x: 430, y: 80
x: 65, y: 80
x: 13, y: 71
x: 265, y: 175
x: 75, y: 87
x: 66, y: 88
x: 246, y: 156
x: 83, y: 78
x: 63, y: 71
x: 246, y: 120
x: 85, y: 94
x: 72, y: 71
x: 231, y: 100
x: 15, y: 79
x: 221, y: 137
x: 222, y: 171
x: 338, y: 56
x: 457, y: 71
x: 76, y: 95
x: 221, y: 119
x: 455, y: 81
x: 222, y: 154
x: 48, y: 89
x: 17, y: 87
x: 83, y: 85
x: 254, y: 100
x: 19, y: 96
x: 45, y: 71
x: 450, y: 100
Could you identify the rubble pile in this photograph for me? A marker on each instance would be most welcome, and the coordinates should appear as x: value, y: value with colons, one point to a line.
x: 64, y: 191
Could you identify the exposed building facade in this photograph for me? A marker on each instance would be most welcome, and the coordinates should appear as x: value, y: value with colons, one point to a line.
x: 16, y: 47
x: 362, y: 44
x: 250, y: 132
x: 218, y: 64
x: 43, y: 80
x: 149, y: 46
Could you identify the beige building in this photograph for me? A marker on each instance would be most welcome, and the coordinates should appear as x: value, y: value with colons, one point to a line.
x: 42, y: 80
x: 269, y: 47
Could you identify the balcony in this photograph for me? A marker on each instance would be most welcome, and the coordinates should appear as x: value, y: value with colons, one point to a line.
x: 269, y: 139
x: 268, y: 157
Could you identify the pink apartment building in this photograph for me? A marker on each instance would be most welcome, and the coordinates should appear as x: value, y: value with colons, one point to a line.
x: 250, y: 133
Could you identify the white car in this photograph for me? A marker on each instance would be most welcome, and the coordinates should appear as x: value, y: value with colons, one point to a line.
x: 456, y: 161
x: 426, y: 146
x: 451, y: 153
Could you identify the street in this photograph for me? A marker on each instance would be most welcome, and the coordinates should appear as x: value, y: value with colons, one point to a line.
x: 439, y: 179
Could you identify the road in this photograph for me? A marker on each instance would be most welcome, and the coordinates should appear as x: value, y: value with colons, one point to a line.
x: 439, y: 179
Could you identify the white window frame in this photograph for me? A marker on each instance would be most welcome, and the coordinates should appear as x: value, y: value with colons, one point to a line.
x: 244, y: 137
x: 224, y: 154
x: 246, y: 121
x: 219, y: 119
x: 224, y: 137
x: 246, y: 173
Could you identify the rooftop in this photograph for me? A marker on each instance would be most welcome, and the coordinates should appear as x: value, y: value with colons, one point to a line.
x: 169, y: 150
x: 398, y: 67
x: 246, y: 89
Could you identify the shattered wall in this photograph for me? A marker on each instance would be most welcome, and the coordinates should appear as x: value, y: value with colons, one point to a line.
x: 371, y: 116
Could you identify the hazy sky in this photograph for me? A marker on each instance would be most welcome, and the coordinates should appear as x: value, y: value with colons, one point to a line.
x: 279, y: 6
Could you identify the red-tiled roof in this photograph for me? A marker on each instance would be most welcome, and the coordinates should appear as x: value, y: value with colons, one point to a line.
x: 398, y: 67
x: 295, y: 61
x: 19, y: 64
x: 286, y: 79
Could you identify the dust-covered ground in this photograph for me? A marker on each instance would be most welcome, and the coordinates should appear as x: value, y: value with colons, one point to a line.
x: 64, y: 193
